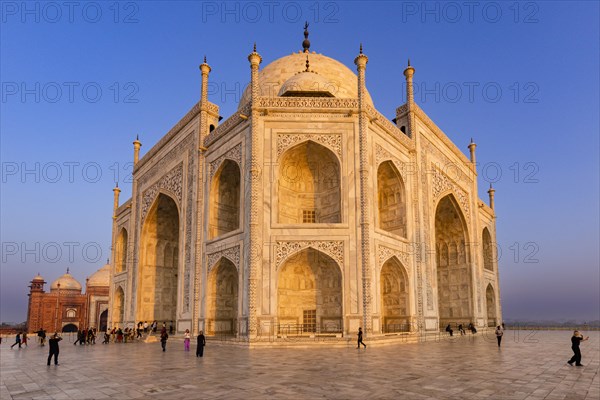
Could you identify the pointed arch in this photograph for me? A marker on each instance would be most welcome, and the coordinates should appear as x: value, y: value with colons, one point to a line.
x: 309, y: 293
x: 121, y: 251
x: 391, y: 199
x: 454, y: 286
x: 225, y: 199
x: 70, y: 327
x: 103, y: 320
x: 394, y: 295
x: 159, y: 261
x: 308, y: 184
x: 488, y: 250
x: 490, y: 302
x: 222, y: 298
x: 118, y: 310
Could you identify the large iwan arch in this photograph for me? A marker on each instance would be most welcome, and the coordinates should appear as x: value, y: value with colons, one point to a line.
x: 308, y: 185
x: 453, y: 273
x: 222, y: 298
x: 225, y: 200
x: 159, y: 262
x: 309, y: 294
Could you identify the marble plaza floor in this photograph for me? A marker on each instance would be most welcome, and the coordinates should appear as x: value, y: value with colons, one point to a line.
x: 530, y: 365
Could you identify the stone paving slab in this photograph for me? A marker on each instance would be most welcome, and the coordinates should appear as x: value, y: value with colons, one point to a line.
x: 531, y: 365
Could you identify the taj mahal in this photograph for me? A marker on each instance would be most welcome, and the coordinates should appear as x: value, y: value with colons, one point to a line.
x: 306, y: 212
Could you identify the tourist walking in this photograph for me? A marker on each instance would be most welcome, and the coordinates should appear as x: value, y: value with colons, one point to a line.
x: 163, y: 339
x: 201, y: 344
x: 576, y: 340
x: 42, y: 335
x: 499, y: 333
x: 78, y: 337
x: 53, y: 344
x: 24, y: 339
x: 186, y: 340
x: 472, y: 328
x: 17, y: 340
x: 145, y: 326
x: 360, y: 339
x: 154, y: 326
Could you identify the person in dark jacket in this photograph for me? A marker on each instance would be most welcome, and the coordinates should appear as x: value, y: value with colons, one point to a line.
x: 360, y: 339
x: 163, y: 339
x: 449, y: 330
x: 201, y: 344
x: 17, y: 340
x: 53, y: 344
x: 576, y: 339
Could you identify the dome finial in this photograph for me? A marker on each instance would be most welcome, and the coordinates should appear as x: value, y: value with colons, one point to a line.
x: 254, y: 48
x: 67, y: 270
x: 360, y: 50
x: 307, y: 64
x: 306, y: 42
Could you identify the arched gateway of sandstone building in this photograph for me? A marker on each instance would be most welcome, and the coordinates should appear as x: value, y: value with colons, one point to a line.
x: 305, y: 212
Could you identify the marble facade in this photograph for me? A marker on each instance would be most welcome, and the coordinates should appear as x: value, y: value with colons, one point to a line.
x: 305, y: 212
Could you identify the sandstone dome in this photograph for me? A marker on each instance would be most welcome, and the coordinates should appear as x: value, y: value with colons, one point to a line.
x: 100, y: 277
x: 67, y: 282
x: 37, y: 278
x: 325, y: 73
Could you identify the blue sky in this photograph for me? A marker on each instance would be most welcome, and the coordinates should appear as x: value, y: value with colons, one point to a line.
x: 80, y: 80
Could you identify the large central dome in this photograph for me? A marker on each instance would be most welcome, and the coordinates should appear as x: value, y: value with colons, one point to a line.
x: 329, y: 76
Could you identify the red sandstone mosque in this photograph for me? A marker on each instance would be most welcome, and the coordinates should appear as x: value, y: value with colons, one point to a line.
x: 65, y: 308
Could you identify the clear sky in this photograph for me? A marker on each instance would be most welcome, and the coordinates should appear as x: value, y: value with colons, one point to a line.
x: 81, y: 79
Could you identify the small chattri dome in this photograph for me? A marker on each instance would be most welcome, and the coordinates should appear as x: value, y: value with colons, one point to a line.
x: 38, y: 277
x: 100, y: 277
x: 67, y: 282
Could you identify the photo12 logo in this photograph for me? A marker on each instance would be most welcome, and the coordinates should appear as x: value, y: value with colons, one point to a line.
x: 452, y: 12
x: 65, y: 172
x: 69, y: 92
x: 475, y: 92
x: 270, y: 11
x: 51, y: 252
x: 54, y: 12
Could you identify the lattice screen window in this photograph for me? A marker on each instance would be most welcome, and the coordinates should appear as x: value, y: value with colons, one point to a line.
x: 309, y: 216
x: 309, y: 320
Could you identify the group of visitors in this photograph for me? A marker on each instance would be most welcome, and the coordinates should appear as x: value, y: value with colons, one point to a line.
x: 20, y: 340
x: 119, y: 335
x: 200, y: 341
x: 145, y: 328
x: 86, y: 336
x: 461, y: 329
